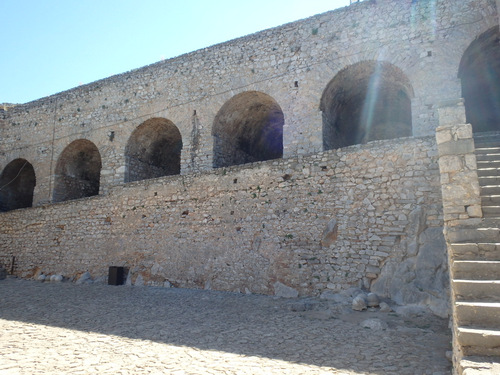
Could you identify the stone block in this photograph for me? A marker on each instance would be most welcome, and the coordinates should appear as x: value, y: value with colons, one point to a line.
x: 458, y: 147
x: 450, y: 163
x: 443, y: 135
x: 475, y: 211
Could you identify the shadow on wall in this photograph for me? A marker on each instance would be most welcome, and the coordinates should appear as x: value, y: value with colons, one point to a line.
x: 17, y: 183
x: 364, y: 102
x: 248, y: 128
x: 78, y: 171
x: 480, y: 75
x: 153, y: 150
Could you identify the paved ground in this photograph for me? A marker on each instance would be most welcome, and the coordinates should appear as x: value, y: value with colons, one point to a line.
x: 98, y: 329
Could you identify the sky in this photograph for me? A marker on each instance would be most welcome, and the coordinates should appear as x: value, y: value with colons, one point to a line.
x: 49, y: 46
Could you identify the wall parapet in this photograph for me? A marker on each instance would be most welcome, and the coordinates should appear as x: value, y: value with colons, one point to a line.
x: 457, y: 166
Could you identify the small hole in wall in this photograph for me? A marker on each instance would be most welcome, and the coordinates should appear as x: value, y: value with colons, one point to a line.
x: 296, y: 83
x: 286, y: 177
x: 429, y: 53
x: 194, y: 112
x: 232, y: 212
x: 235, y: 181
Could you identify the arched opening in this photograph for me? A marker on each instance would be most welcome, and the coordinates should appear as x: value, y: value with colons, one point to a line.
x: 364, y: 102
x: 153, y: 150
x: 480, y: 75
x: 78, y: 171
x: 17, y: 183
x: 248, y: 128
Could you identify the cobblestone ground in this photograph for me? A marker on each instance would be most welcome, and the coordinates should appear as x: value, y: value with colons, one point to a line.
x: 99, y: 329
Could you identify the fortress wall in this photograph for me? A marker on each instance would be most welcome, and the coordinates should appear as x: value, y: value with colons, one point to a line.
x: 253, y: 228
x: 292, y: 63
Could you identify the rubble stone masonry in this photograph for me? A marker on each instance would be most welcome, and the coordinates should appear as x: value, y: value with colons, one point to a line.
x: 322, y: 217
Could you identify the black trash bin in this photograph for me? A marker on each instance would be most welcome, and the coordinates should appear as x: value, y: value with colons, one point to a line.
x: 115, y: 276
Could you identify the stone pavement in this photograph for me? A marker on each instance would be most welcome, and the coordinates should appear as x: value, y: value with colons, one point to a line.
x: 63, y: 328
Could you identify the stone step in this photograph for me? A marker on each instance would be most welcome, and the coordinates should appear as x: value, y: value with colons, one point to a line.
x: 490, y: 190
x: 492, y: 148
x: 488, y: 232
x: 490, y: 200
x: 479, y: 314
x: 470, y: 365
x: 488, y: 171
x: 477, y: 341
x: 477, y: 290
x: 487, y: 156
x: 489, y: 180
x: 491, y: 211
x: 476, y: 270
x: 475, y: 251
x: 487, y: 164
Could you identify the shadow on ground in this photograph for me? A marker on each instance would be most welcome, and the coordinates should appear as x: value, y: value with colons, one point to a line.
x: 251, y: 325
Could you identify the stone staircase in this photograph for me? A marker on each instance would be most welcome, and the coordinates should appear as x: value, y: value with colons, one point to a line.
x: 476, y: 266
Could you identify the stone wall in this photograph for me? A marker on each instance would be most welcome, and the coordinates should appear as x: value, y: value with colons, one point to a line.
x: 367, y: 216
x: 423, y: 41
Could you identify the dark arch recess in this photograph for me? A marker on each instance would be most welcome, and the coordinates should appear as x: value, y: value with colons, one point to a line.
x: 248, y: 128
x: 78, y: 171
x: 17, y: 183
x: 364, y: 102
x: 480, y: 75
x: 153, y: 150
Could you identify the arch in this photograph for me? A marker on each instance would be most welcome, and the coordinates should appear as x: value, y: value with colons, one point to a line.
x: 248, y: 128
x: 17, y: 183
x: 366, y: 101
x: 78, y: 171
x: 153, y: 150
x: 479, y: 72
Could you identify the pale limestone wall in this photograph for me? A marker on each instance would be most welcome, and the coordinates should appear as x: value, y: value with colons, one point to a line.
x: 458, y: 167
x: 424, y: 39
x: 245, y: 228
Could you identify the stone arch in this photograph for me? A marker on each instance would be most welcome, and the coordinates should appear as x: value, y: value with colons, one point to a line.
x: 366, y: 101
x: 17, y: 183
x: 248, y: 128
x: 78, y: 171
x: 479, y: 72
x: 153, y: 150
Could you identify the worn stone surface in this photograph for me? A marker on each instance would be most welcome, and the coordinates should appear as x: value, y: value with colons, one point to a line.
x: 3, y: 273
x: 359, y: 303
x: 246, y: 227
x: 374, y: 324
x: 282, y: 290
x: 101, y: 329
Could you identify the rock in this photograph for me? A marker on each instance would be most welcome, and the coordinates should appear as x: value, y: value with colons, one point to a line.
x: 128, y: 282
x: 167, y: 284
x: 281, y: 290
x: 139, y: 281
x: 56, y: 278
x: 384, y: 307
x: 375, y: 324
x: 372, y: 300
x: 84, y: 279
x: 3, y: 273
x: 330, y: 233
x: 359, y: 303
x: 41, y: 278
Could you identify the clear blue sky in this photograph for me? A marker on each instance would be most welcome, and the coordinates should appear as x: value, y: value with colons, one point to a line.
x: 50, y: 46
